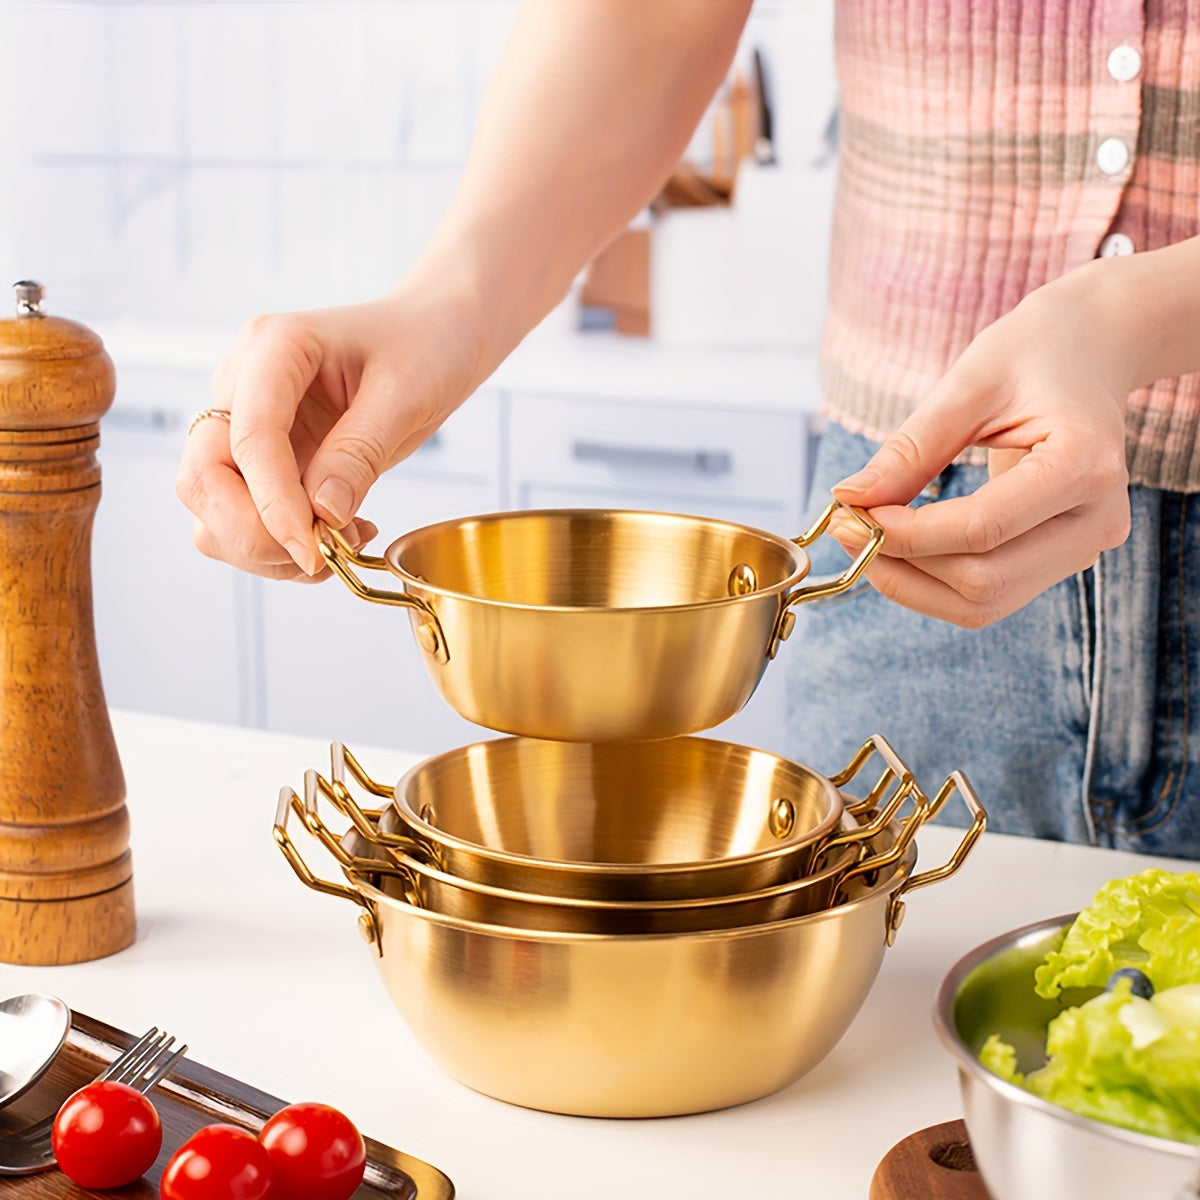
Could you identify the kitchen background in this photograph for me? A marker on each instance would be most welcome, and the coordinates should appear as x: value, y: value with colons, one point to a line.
x: 173, y: 168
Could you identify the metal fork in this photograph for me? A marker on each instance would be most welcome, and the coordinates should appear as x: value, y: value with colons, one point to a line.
x: 144, y: 1064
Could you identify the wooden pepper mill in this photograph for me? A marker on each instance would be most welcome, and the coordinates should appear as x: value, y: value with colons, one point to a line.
x: 66, y: 876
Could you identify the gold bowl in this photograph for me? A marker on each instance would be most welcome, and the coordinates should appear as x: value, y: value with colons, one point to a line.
x: 631, y: 1025
x: 678, y: 819
x: 589, y: 625
x: 426, y: 887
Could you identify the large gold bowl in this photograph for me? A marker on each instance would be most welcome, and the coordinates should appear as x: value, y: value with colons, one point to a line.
x: 678, y: 819
x: 629, y: 1025
x: 589, y: 625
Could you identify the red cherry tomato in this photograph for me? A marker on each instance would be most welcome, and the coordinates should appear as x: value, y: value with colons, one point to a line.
x: 106, y: 1135
x: 316, y: 1152
x: 219, y: 1162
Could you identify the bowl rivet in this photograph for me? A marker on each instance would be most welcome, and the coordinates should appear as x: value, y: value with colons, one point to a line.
x: 782, y: 819
x: 895, y: 919
x: 787, y: 625
x: 366, y: 926
x: 742, y: 580
x: 427, y: 638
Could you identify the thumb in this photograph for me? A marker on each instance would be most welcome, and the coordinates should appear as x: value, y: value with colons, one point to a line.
x: 916, y: 453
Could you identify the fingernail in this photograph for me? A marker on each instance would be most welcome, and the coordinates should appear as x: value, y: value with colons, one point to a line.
x: 337, y: 499
x: 302, y: 555
x: 845, y: 528
x: 860, y: 481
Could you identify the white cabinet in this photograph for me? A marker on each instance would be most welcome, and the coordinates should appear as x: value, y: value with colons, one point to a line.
x: 738, y: 464
x: 338, y: 667
x: 173, y: 628
x: 735, y: 463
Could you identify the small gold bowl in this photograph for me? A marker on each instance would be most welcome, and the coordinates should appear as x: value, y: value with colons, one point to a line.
x: 680, y: 819
x: 590, y: 625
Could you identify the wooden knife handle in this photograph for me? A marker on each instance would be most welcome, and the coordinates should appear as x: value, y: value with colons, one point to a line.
x: 932, y: 1164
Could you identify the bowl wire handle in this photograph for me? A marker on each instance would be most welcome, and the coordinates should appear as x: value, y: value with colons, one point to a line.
x: 365, y: 820
x: 832, y: 585
x: 922, y: 810
x: 340, y: 556
x: 289, y: 803
x: 315, y: 786
x: 368, y: 920
x: 896, y: 770
x: 956, y: 782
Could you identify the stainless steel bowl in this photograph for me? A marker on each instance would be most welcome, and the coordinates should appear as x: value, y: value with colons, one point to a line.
x: 1025, y: 1147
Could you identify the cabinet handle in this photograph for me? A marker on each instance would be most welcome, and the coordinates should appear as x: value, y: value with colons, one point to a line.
x: 649, y: 458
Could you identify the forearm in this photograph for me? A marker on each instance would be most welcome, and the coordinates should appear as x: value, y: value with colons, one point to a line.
x: 593, y: 103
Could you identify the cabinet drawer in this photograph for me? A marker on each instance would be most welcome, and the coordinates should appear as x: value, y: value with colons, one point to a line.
x: 723, y: 456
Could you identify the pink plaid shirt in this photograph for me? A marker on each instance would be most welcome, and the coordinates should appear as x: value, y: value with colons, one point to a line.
x: 988, y: 146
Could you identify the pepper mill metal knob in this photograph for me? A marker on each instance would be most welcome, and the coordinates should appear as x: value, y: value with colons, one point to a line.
x: 66, y: 876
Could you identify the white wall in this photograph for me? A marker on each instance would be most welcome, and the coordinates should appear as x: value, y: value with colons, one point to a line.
x: 197, y: 162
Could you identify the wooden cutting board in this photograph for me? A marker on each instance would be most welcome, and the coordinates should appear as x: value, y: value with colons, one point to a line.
x: 191, y: 1096
x: 932, y: 1164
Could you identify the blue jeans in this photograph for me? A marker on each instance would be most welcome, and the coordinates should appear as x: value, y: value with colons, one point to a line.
x: 1076, y: 718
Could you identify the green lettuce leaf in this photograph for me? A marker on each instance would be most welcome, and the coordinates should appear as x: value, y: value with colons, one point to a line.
x: 1100, y: 1066
x: 1150, y: 921
x: 1119, y: 1058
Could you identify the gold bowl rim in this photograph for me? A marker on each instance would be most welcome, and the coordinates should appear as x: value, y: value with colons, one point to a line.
x: 816, y: 834
x: 800, y: 557
x: 895, y: 877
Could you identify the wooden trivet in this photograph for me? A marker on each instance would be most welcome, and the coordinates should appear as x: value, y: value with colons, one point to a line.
x: 931, y: 1164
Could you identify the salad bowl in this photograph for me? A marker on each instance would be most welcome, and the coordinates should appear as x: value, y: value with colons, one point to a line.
x: 1024, y: 1145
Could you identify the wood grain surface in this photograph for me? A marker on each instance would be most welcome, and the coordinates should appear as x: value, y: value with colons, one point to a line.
x: 191, y: 1096
x: 65, y: 870
x: 932, y: 1164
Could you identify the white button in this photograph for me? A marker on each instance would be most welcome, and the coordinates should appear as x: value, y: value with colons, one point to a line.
x: 1116, y: 245
x: 1112, y: 156
x: 1124, y: 64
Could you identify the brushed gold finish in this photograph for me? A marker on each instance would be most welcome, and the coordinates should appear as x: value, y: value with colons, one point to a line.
x: 630, y: 1025
x: 427, y: 887
x: 682, y: 818
x: 589, y: 625
x: 523, y: 906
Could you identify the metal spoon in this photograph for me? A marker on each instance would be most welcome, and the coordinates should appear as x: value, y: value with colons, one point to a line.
x: 33, y: 1028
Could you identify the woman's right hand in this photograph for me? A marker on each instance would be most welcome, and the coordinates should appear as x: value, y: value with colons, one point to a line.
x: 320, y: 404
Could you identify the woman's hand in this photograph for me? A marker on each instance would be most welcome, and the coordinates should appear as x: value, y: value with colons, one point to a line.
x: 320, y: 404
x: 1044, y: 390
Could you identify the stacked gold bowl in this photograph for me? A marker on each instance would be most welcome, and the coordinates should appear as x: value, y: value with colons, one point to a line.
x: 601, y: 913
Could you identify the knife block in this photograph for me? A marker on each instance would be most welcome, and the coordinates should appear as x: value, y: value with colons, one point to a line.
x: 66, y: 878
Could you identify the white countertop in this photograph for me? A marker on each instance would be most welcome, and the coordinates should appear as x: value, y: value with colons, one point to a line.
x: 269, y: 981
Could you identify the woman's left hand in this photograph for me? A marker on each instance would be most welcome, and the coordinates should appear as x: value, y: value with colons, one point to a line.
x: 1044, y: 390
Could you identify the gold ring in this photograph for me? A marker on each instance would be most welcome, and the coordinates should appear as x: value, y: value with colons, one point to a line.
x: 221, y: 414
